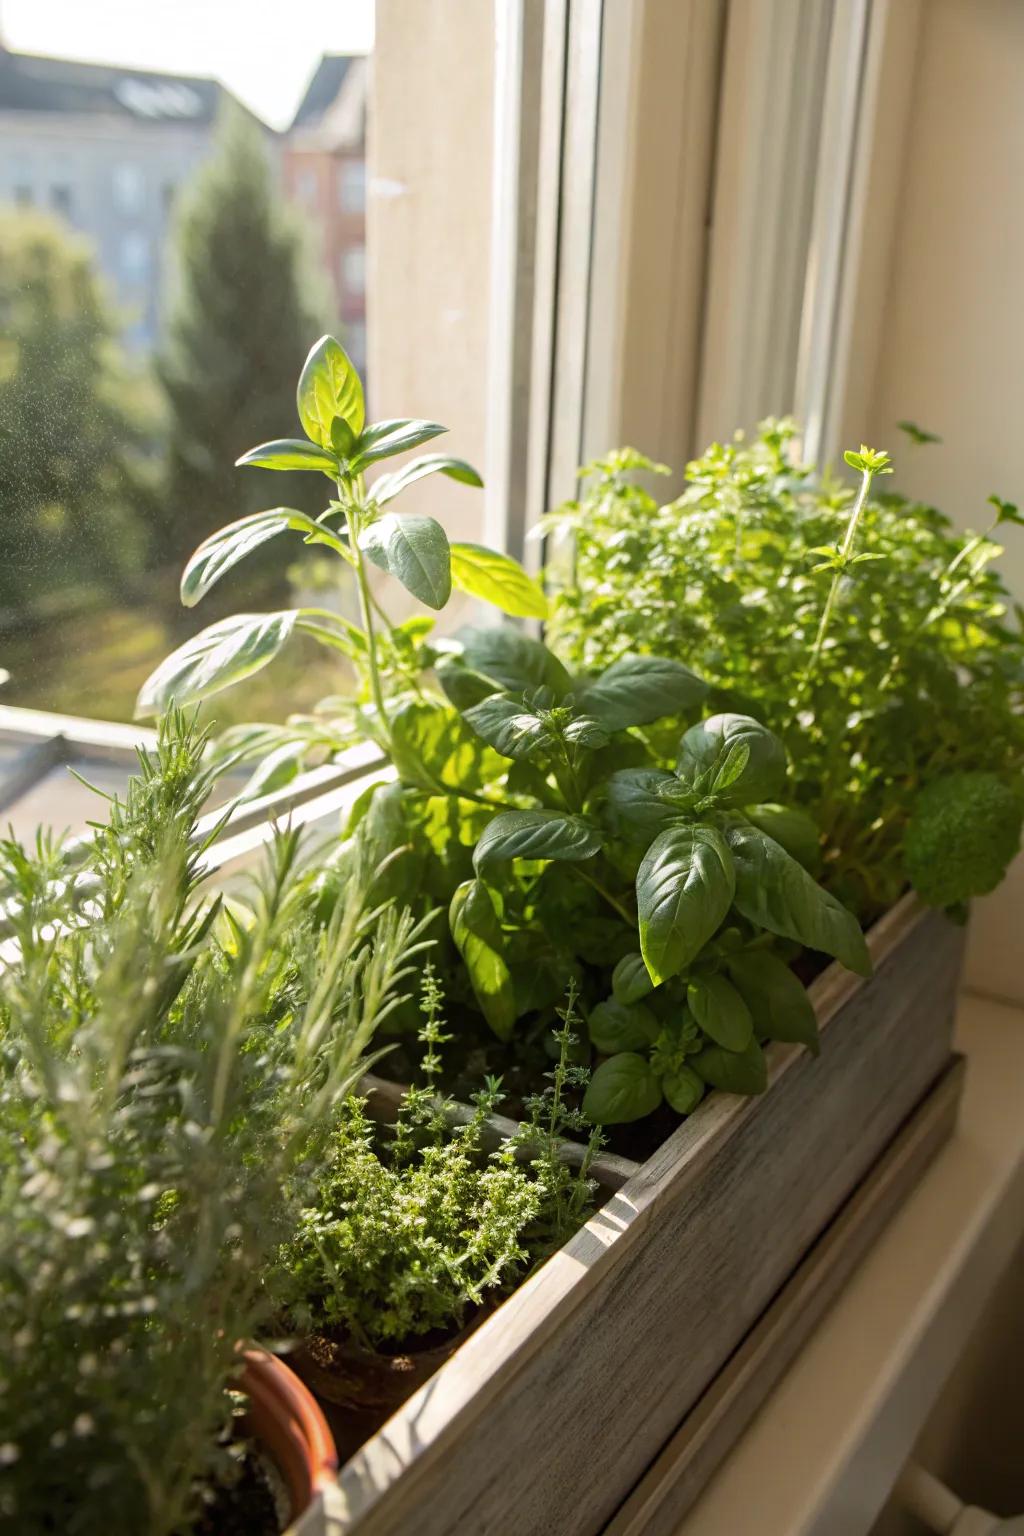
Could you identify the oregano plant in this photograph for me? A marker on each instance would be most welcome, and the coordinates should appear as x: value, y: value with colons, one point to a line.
x: 872, y: 637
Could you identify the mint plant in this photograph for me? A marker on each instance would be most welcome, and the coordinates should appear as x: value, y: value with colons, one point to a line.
x: 877, y: 643
x: 359, y: 527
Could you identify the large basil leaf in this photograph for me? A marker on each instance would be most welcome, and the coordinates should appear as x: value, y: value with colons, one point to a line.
x: 616, y: 1026
x: 497, y: 579
x: 387, y: 487
x: 386, y: 438
x: 776, y: 997
x: 684, y: 889
x: 683, y: 1089
x: 416, y: 551
x: 721, y: 1012
x: 777, y: 893
x: 290, y: 453
x: 639, y: 801
x: 479, y: 940
x: 225, y: 548
x: 516, y: 662
x: 623, y: 1088
x: 631, y: 979
x: 535, y: 835
x: 640, y: 689
x: 214, y: 659
x: 432, y: 748
x: 793, y: 829
x: 329, y: 388
x: 733, y: 757
x: 511, y: 728
x: 733, y: 1071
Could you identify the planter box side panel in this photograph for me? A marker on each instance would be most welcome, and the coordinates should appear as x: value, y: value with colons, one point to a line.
x: 575, y: 1422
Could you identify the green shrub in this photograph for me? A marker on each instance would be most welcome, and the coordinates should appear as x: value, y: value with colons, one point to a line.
x: 917, y: 673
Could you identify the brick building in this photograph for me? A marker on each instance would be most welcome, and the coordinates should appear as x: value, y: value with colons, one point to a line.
x: 324, y: 170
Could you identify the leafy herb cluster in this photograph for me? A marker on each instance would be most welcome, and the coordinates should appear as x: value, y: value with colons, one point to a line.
x: 413, y: 1226
x: 532, y: 803
x: 167, y: 1071
x: 877, y: 643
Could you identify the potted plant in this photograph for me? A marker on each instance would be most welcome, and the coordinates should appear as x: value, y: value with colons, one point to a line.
x: 621, y: 824
x: 416, y: 1230
x: 168, y: 1067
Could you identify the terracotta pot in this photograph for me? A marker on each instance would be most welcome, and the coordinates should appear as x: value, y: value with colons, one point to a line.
x: 361, y: 1389
x: 285, y: 1418
x: 342, y: 1372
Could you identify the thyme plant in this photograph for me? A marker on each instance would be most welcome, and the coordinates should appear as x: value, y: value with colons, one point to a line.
x: 876, y: 642
x: 414, y: 1225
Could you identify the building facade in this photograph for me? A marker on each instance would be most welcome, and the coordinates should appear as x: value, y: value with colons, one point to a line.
x: 106, y: 150
x: 324, y: 171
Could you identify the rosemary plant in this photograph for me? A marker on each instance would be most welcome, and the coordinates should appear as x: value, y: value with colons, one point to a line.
x: 166, y: 1074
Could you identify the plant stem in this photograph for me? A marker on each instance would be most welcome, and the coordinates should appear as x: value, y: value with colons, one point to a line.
x: 837, y: 576
x: 612, y: 901
x: 366, y: 613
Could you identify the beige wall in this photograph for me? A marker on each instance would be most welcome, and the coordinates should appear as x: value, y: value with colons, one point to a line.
x: 951, y: 357
x: 428, y: 233
x: 951, y: 352
x: 952, y: 349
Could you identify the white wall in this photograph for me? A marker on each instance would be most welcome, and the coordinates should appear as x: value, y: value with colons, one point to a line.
x: 951, y: 352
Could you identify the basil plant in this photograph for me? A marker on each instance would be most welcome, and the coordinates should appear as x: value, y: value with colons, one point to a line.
x: 666, y: 889
x: 585, y: 827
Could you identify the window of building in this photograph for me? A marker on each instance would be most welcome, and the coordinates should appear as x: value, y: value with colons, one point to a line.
x: 129, y: 187
x: 135, y: 253
x: 305, y: 187
x: 60, y: 200
x: 353, y: 270
x: 24, y: 196
x: 352, y: 186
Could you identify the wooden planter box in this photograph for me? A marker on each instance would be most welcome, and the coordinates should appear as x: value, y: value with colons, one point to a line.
x: 551, y: 1412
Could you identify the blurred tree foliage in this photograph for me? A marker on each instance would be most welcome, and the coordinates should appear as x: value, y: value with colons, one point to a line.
x: 246, y: 313
x: 76, y: 489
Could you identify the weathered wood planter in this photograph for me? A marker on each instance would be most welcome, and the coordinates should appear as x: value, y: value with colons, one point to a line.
x: 551, y: 1412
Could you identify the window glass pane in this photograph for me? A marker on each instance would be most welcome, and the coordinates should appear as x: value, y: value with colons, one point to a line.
x: 352, y: 186
x: 184, y: 209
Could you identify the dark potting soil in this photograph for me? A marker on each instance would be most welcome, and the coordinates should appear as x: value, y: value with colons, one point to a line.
x: 255, y: 1504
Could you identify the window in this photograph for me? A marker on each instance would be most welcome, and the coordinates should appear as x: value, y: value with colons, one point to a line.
x: 353, y: 271
x: 352, y: 186
x: 24, y: 196
x: 89, y: 586
x: 134, y: 255
x: 129, y: 188
x: 305, y: 187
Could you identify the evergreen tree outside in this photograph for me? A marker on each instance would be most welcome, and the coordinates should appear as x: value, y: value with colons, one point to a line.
x: 245, y: 316
x: 75, y: 422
